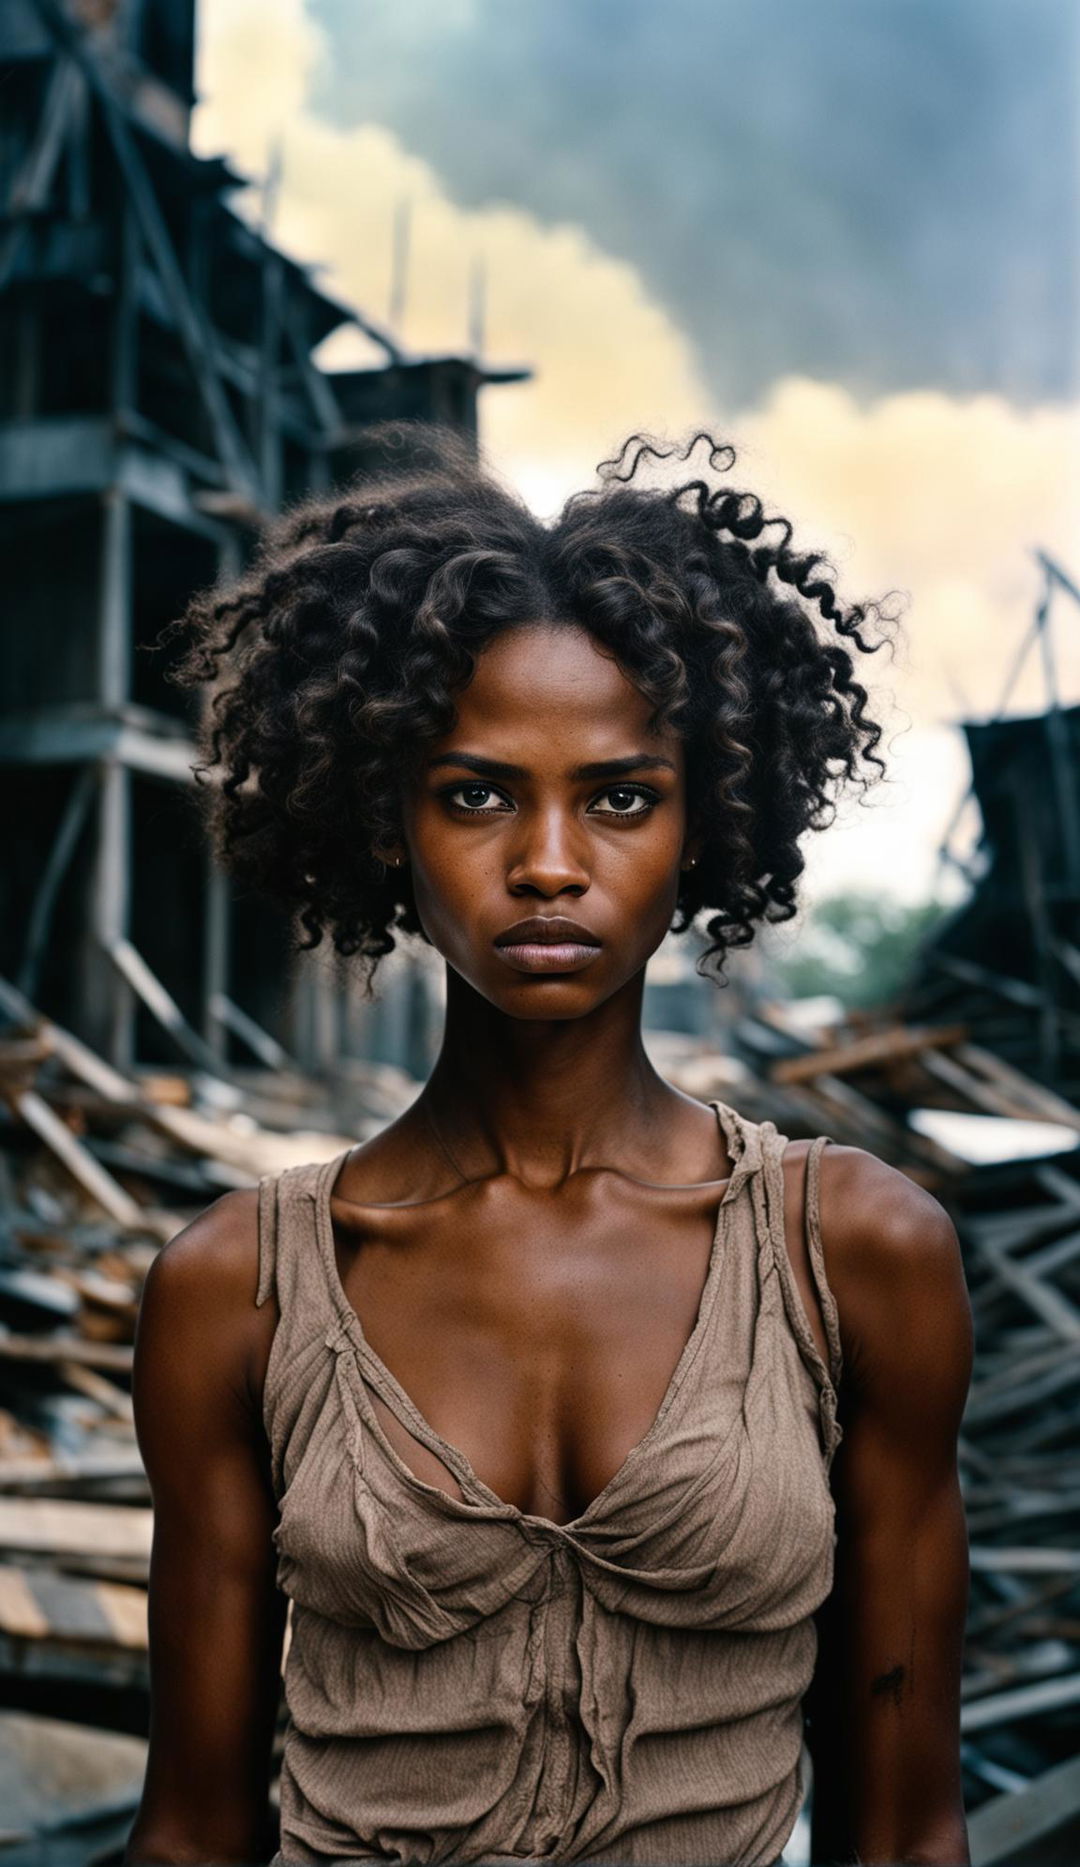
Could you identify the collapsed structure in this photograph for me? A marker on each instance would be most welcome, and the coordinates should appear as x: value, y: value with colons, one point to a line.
x: 160, y: 399
x: 1008, y: 960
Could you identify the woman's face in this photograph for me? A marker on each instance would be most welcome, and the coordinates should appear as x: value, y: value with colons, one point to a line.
x: 546, y: 831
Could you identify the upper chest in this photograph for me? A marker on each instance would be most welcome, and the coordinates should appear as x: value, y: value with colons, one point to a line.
x: 536, y: 1333
x: 534, y: 1284
x: 526, y: 1287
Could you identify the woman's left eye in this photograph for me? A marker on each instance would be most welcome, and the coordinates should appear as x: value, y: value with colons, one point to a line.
x: 625, y: 800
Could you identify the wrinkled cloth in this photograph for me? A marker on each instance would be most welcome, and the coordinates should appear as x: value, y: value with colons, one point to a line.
x: 468, y: 1682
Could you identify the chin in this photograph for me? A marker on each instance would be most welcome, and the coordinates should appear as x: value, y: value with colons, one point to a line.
x: 550, y: 1000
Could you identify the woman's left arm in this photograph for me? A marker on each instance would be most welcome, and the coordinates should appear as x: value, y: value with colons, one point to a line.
x: 885, y: 1731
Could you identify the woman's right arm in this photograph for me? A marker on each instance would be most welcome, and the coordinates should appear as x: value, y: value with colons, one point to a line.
x: 217, y: 1618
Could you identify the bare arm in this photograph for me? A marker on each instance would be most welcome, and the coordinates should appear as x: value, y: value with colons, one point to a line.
x: 884, y: 1710
x: 216, y: 1616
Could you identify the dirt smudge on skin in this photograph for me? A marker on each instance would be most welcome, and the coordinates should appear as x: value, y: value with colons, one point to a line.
x: 890, y: 1685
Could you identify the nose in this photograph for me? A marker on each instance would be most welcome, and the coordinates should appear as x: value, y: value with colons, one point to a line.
x: 550, y: 858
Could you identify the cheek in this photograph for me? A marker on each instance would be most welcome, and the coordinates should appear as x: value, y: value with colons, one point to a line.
x: 641, y: 866
x: 449, y: 884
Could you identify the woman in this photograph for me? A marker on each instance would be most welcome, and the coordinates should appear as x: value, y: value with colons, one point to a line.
x: 530, y: 1403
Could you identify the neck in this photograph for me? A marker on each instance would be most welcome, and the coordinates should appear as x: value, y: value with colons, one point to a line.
x: 540, y: 1099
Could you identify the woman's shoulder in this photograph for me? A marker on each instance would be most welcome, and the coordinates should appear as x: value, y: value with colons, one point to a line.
x: 876, y: 1219
x: 214, y: 1255
x: 893, y: 1261
x: 199, y: 1298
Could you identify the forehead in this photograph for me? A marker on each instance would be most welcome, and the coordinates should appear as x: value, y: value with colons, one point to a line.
x: 552, y: 686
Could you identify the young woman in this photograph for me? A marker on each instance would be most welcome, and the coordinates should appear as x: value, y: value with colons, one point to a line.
x: 530, y: 1403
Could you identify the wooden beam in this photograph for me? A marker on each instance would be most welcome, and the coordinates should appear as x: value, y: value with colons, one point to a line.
x: 79, y: 1162
x: 1041, y: 1103
x: 67, y: 1527
x: 112, y: 1357
x: 1010, y: 1826
x: 161, y: 1005
x: 193, y: 327
x: 1047, y: 1302
x: 324, y: 404
x: 880, y: 1047
x: 29, y: 192
x: 265, y: 1048
x: 37, y: 1605
x: 1025, y: 1701
x: 65, y: 842
x: 109, y: 1003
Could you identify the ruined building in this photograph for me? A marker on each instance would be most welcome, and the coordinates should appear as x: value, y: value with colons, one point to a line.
x: 158, y: 396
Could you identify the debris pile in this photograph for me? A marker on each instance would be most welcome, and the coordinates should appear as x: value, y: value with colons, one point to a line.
x: 97, y: 1170
x: 911, y: 1095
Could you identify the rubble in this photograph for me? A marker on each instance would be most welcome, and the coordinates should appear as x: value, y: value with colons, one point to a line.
x: 97, y: 1170
x: 1018, y: 1220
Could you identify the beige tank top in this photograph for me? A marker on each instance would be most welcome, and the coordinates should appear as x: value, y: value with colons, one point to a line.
x: 468, y: 1682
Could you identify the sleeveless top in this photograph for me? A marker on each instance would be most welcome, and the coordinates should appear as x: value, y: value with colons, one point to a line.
x: 469, y: 1682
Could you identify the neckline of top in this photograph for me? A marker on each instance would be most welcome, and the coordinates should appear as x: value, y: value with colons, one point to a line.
x: 742, y: 1140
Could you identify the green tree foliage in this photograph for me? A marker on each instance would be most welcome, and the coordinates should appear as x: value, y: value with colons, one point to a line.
x: 857, y: 947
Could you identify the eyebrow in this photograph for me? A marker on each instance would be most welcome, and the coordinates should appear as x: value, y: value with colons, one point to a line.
x: 600, y: 768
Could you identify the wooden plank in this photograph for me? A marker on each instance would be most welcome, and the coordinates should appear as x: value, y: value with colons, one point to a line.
x: 1038, y: 1100
x: 991, y: 1559
x: 161, y: 1005
x: 1052, y: 1305
x: 1015, y: 1823
x: 20, y: 1613
x: 1026, y: 1701
x: 77, y: 1159
x: 1019, y: 1396
x: 91, y: 1470
x: 56, y: 1347
x: 29, y: 190
x: 84, y: 1064
x: 866, y: 1052
x: 39, y: 921
x: 995, y: 1099
x: 96, y: 1387
x: 44, y: 1605
x: 69, y: 1527
x: 265, y: 1048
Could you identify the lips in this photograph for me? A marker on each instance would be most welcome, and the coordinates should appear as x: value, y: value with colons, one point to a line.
x: 546, y: 929
x: 547, y: 943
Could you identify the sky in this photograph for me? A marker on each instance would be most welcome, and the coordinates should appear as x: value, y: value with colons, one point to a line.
x: 846, y: 238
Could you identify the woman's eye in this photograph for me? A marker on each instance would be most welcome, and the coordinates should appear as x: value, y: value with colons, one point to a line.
x: 476, y: 797
x: 624, y: 800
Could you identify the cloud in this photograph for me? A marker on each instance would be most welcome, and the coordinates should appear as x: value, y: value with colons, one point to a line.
x: 605, y: 353
x: 943, y: 498
x: 939, y: 495
x: 879, y: 194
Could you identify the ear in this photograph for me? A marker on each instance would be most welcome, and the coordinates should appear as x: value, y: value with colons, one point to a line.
x: 392, y: 856
x: 691, y: 854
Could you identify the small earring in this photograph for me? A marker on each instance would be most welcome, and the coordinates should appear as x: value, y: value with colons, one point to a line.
x: 691, y: 863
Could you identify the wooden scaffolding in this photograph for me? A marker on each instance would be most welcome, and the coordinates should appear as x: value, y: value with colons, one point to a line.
x: 159, y: 398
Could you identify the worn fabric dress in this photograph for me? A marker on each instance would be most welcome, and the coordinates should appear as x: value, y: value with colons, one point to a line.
x: 467, y: 1682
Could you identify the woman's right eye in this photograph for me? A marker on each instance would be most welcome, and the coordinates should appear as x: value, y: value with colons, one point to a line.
x: 474, y: 797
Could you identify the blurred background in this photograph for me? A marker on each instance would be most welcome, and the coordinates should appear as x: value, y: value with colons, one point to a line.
x: 234, y: 234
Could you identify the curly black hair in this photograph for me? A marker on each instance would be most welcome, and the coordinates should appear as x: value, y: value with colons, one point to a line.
x: 336, y: 657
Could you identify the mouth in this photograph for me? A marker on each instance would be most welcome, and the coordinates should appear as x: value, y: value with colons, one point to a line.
x: 547, y: 943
